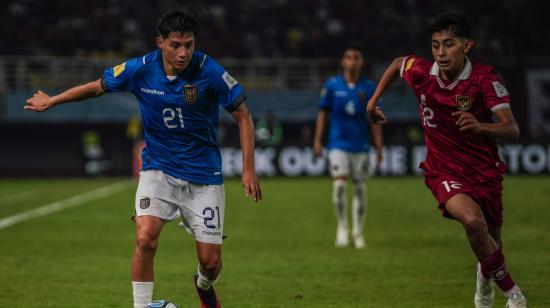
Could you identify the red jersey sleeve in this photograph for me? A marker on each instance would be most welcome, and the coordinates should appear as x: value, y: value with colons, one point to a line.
x: 495, y: 95
x: 414, y: 69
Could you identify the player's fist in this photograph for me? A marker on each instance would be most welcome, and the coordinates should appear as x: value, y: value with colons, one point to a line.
x: 467, y: 122
x: 39, y: 102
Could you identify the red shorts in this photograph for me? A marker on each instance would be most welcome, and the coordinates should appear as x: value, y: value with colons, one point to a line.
x: 488, y: 195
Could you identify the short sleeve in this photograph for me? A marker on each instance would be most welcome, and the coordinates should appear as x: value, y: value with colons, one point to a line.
x: 228, y: 92
x: 325, y: 99
x: 119, y: 78
x: 414, y: 69
x: 494, y: 93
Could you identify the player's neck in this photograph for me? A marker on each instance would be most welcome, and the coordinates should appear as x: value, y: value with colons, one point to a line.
x: 170, y: 70
x: 351, y: 77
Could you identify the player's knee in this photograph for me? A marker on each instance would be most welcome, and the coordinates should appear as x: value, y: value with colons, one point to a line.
x: 211, y: 265
x: 474, y: 224
x: 339, y: 189
x: 359, y: 186
x: 146, y: 244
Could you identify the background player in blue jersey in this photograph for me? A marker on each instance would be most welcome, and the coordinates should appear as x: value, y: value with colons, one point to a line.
x: 179, y: 91
x: 343, y: 105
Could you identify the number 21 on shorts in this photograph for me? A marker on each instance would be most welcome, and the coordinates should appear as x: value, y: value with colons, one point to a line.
x: 451, y: 185
x: 209, y: 215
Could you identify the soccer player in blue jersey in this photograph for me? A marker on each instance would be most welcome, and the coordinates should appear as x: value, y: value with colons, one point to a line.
x: 179, y: 90
x: 343, y: 105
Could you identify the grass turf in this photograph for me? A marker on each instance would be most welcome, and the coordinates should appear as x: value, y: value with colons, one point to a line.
x: 279, y: 253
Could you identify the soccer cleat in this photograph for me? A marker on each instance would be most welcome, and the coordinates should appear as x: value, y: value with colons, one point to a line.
x: 208, y: 298
x: 342, y: 238
x: 485, y: 295
x: 358, y: 242
x: 516, y: 300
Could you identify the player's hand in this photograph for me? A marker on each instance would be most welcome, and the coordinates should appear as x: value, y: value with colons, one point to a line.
x: 317, y: 149
x: 375, y: 113
x: 467, y: 122
x: 39, y: 102
x: 251, y: 186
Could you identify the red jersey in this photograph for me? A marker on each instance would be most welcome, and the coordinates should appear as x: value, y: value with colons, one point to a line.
x: 477, y: 90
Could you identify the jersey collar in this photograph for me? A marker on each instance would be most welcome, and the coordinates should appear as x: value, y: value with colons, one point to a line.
x: 464, y: 75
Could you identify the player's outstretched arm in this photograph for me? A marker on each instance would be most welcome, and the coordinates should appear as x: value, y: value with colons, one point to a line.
x: 42, y: 101
x: 505, y: 128
x: 378, y: 142
x: 320, y: 127
x: 251, y: 183
x: 390, y: 75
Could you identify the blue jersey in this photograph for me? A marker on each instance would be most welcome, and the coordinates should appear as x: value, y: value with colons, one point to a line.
x: 348, y: 124
x: 179, y: 116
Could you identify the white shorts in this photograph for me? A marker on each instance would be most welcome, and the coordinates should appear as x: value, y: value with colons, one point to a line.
x: 200, y: 206
x: 345, y: 164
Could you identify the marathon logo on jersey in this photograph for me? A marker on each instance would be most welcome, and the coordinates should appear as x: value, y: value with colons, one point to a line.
x: 117, y: 70
x: 190, y: 93
x: 500, y: 89
x: 463, y: 102
x: 144, y: 203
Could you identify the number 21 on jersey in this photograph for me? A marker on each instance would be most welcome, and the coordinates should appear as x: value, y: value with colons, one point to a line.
x: 170, y: 116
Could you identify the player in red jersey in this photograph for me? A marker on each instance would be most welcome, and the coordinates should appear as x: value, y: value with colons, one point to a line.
x: 457, y: 101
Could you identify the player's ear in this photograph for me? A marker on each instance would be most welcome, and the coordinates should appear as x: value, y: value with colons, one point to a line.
x: 159, y: 40
x: 468, y: 44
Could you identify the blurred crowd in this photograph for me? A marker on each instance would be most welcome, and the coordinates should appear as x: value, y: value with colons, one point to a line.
x: 267, y: 28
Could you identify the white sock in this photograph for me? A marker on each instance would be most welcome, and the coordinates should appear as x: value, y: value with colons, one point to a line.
x: 203, y: 282
x: 143, y: 293
x: 359, y: 207
x: 339, y: 201
x: 514, y: 290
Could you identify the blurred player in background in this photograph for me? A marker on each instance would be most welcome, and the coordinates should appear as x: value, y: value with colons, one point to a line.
x: 457, y: 102
x: 179, y: 90
x: 343, y: 109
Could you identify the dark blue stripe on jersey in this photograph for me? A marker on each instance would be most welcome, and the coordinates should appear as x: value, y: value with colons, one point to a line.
x: 236, y: 103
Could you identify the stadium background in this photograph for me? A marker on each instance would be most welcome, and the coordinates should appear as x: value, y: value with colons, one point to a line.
x: 281, y: 51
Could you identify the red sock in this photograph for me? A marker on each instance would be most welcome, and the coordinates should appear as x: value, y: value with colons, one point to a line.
x: 494, y: 266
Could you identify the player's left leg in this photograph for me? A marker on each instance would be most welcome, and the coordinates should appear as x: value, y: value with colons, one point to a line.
x: 359, y: 209
x: 360, y: 169
x: 485, y: 295
x: 203, y: 215
x: 208, y: 272
x: 468, y: 212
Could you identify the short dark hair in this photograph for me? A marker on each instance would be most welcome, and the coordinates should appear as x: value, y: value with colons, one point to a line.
x: 353, y: 47
x: 177, y: 21
x: 456, y: 23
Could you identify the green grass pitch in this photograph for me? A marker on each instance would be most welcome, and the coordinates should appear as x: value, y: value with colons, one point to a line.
x: 279, y: 253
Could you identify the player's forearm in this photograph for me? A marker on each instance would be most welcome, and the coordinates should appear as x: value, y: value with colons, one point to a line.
x: 320, y: 126
x: 377, y: 138
x: 388, y: 78
x: 246, y: 136
x: 502, y: 130
x: 78, y: 93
